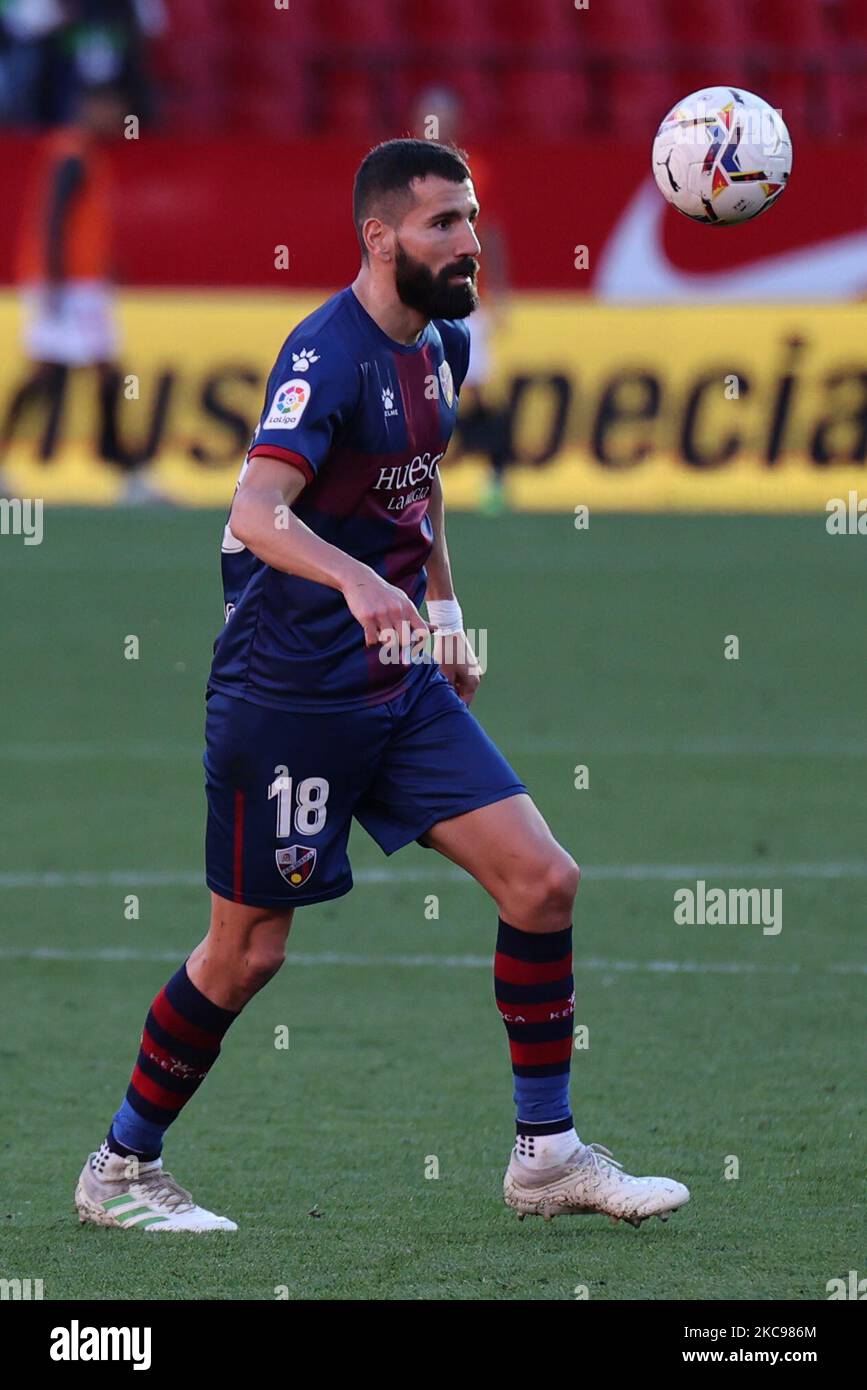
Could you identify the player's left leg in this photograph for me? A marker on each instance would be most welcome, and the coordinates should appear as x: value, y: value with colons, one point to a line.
x: 510, y: 851
x: 444, y: 783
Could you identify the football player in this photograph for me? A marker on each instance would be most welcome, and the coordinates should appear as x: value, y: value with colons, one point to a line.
x: 322, y: 707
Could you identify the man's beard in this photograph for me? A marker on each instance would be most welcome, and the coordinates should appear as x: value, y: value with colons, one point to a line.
x: 434, y: 295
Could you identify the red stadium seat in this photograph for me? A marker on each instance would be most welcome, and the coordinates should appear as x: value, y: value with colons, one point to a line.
x: 194, y: 19
x: 789, y: 27
x: 837, y: 115
x: 279, y: 113
x: 268, y: 88
x: 629, y: 29
x: 362, y: 26
x: 475, y: 88
x: 703, y: 33
x: 845, y: 103
x: 847, y: 78
x: 458, y: 28
x: 302, y: 20
x: 479, y: 92
x: 545, y: 28
x: 542, y: 103
x: 636, y: 101
x: 351, y: 104
x: 527, y: 63
x: 709, y: 70
x: 850, y: 20
x: 195, y: 79
x: 795, y: 93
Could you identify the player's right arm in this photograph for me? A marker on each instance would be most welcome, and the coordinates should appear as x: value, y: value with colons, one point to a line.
x: 263, y: 520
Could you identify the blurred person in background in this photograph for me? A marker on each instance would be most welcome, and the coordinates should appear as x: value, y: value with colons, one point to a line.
x: 102, y: 44
x: 51, y: 49
x: 483, y: 427
x: 64, y: 269
x: 25, y: 27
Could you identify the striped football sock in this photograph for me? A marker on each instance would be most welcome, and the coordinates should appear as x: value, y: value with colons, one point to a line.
x: 535, y: 995
x: 179, y: 1045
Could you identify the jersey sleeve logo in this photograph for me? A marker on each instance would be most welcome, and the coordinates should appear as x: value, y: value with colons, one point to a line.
x: 303, y: 360
x: 289, y: 403
x: 447, y: 381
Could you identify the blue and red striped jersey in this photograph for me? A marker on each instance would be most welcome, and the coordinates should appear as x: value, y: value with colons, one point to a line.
x: 366, y: 420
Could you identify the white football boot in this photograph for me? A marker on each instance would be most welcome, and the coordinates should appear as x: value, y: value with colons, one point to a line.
x: 589, y: 1182
x: 124, y: 1192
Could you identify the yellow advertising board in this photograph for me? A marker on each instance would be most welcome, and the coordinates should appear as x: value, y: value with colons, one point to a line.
x: 687, y: 408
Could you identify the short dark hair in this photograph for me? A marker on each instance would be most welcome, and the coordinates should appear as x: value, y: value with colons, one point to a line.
x: 390, y: 169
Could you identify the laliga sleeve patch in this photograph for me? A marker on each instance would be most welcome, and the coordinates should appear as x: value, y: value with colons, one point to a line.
x: 447, y: 382
x: 287, y: 407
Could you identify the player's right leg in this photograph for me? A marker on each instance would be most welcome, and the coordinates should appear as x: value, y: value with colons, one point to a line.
x: 124, y: 1183
x: 281, y: 790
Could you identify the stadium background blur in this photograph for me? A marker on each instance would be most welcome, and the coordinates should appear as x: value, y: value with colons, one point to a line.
x: 231, y: 219
x: 616, y: 327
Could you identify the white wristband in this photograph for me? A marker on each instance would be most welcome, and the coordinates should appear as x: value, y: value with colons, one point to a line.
x: 445, y: 615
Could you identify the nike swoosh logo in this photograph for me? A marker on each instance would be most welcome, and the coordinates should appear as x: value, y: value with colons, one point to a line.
x: 634, y: 265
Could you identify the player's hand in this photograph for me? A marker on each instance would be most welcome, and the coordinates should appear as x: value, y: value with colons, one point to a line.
x: 382, y: 610
x: 458, y: 662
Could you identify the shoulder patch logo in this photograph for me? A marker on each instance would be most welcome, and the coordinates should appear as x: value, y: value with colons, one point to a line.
x: 303, y: 360
x: 447, y: 381
x: 289, y: 403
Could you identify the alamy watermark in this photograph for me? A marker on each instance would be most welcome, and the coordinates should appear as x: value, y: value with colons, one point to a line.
x: 78, y: 1343
x: 20, y: 1289
x: 852, y: 1288
x: 22, y: 516
x: 712, y: 907
x: 847, y: 516
x: 413, y: 645
x: 757, y: 125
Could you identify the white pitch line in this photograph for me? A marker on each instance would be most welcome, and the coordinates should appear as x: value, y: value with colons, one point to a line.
x: 160, y: 750
x: 439, y: 870
x: 157, y: 750
x: 121, y: 954
x: 677, y: 872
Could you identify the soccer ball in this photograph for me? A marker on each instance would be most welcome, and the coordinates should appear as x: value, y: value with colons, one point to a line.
x: 722, y: 156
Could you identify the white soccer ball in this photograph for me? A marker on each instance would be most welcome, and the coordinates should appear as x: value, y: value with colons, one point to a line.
x: 721, y: 156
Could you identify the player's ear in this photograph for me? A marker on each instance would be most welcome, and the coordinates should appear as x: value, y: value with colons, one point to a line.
x: 378, y: 238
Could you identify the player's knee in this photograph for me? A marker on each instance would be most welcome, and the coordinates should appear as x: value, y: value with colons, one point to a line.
x: 542, y: 896
x: 250, y: 947
x: 260, y: 963
x: 560, y: 883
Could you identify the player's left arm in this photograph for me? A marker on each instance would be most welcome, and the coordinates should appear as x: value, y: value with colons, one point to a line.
x: 452, y: 650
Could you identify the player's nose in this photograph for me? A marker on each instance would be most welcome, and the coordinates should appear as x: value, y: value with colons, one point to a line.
x: 468, y: 243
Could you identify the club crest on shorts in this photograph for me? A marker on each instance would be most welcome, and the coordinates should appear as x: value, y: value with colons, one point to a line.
x: 296, y: 864
x: 447, y: 381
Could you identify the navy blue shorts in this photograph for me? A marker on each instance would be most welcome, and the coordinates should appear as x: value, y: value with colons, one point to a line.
x: 283, y: 787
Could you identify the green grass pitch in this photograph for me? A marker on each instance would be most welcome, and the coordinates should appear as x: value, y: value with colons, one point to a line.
x: 605, y: 648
